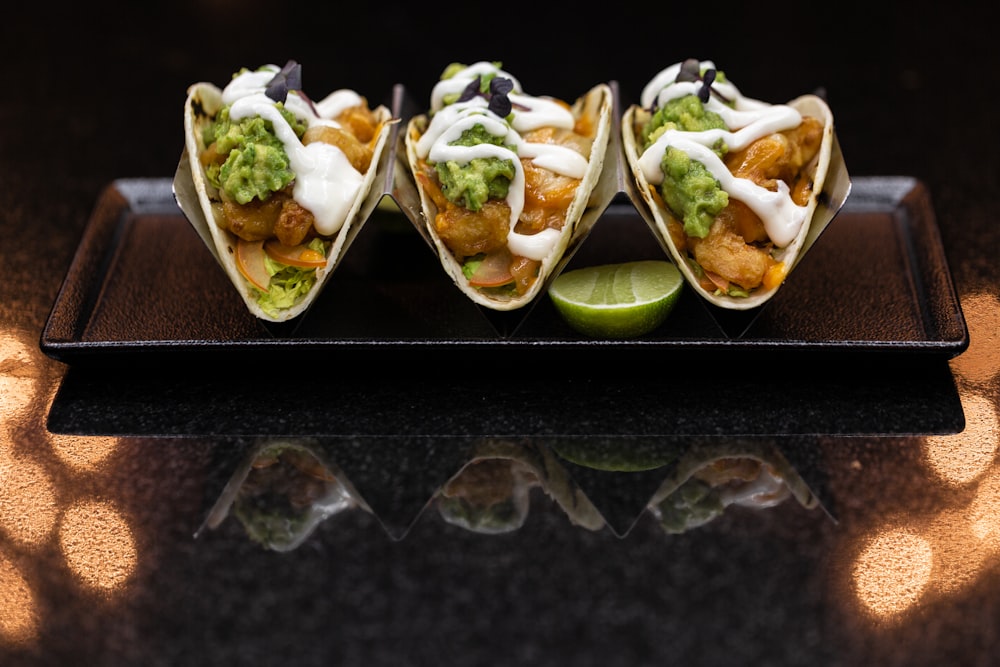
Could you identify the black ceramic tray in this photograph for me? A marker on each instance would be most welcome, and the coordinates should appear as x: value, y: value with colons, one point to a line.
x: 391, y: 349
x: 142, y: 284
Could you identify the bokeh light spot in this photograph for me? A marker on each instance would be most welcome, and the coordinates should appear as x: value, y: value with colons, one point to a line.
x: 963, y: 457
x: 892, y: 572
x: 18, y: 610
x: 28, y: 509
x: 981, y: 361
x: 19, y: 378
x: 83, y: 454
x: 984, y: 512
x: 98, y: 545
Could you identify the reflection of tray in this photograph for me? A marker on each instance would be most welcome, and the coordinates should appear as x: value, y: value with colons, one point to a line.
x: 143, y: 283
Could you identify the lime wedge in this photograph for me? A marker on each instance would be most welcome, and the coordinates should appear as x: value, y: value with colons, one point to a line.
x: 624, y: 300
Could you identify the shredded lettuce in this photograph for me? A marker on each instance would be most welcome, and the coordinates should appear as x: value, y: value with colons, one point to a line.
x: 289, y: 284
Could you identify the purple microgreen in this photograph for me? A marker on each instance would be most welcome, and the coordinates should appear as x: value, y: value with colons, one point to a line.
x: 706, y: 88
x: 691, y: 71
x: 499, y: 101
x: 501, y: 86
x: 470, y: 91
x: 289, y: 78
x: 496, y: 93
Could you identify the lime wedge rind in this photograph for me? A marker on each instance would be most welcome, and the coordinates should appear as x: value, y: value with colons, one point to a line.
x: 624, y: 300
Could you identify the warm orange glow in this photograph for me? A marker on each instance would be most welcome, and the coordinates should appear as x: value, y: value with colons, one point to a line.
x: 18, y: 610
x: 28, y: 507
x: 981, y: 361
x: 963, y: 457
x: 984, y: 513
x: 959, y: 556
x: 83, y: 454
x: 98, y: 545
x: 19, y: 377
x: 892, y: 572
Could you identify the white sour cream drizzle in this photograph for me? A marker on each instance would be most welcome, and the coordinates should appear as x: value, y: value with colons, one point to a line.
x: 748, y: 120
x: 325, y: 181
x: 529, y: 113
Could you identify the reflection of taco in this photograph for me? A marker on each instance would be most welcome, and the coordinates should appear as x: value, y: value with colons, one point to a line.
x: 709, y: 478
x: 732, y: 183
x: 282, y: 492
x: 504, y: 178
x: 491, y: 493
x: 487, y: 496
x: 274, y: 182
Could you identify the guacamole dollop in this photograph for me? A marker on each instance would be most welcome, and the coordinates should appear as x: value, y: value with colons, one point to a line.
x: 471, y: 184
x: 691, y: 192
x: 688, y: 188
x: 256, y: 163
x: 686, y: 114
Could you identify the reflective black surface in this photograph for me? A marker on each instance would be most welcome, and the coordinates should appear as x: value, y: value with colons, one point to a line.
x: 429, y: 519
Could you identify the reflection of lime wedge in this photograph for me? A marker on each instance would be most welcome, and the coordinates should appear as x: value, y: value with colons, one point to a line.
x: 617, y: 300
x: 618, y: 455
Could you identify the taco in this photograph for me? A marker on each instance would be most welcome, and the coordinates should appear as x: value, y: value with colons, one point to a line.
x: 279, y: 181
x: 732, y: 183
x: 504, y: 178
